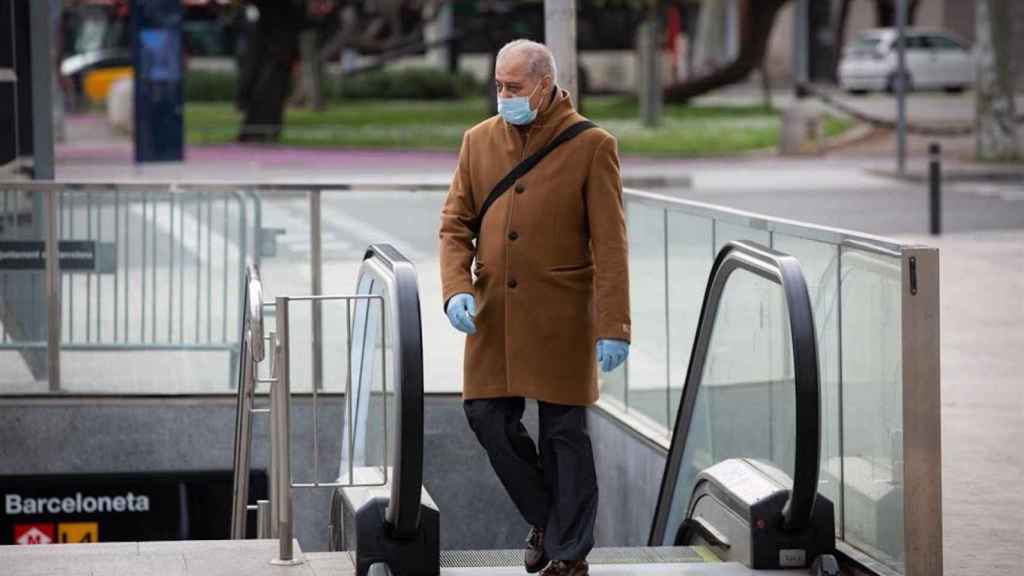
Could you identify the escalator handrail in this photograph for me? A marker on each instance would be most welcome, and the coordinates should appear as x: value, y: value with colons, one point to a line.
x: 403, y: 512
x: 784, y: 270
x: 251, y: 352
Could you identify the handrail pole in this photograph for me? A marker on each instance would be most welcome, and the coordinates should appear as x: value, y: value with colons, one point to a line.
x: 243, y: 421
x: 281, y: 440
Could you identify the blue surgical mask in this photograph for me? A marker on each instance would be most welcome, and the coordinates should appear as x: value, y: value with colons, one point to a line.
x: 516, y: 110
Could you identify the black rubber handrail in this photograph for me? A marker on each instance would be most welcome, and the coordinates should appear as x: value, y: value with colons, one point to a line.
x: 785, y: 271
x: 403, y: 512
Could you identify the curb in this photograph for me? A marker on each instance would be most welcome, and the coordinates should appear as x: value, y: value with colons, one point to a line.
x: 679, y: 181
x: 954, y: 175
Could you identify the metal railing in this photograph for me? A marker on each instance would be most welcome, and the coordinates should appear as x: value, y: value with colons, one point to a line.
x: 384, y: 281
x: 163, y: 266
x: 165, y: 285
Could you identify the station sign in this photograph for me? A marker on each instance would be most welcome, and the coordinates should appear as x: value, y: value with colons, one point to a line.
x: 75, y: 256
x: 65, y: 509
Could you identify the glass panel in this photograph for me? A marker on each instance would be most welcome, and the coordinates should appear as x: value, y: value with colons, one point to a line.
x: 690, y: 258
x: 284, y: 246
x: 745, y: 400
x: 820, y: 265
x: 160, y: 297
x: 648, y: 361
x: 354, y: 220
x: 872, y: 404
x: 24, y: 362
x: 371, y: 346
x: 726, y: 232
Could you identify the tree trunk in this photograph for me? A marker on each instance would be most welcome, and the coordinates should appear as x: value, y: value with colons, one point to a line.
x: 839, y: 31
x: 996, y: 114
x: 885, y: 12
x: 273, y: 49
x: 756, y: 24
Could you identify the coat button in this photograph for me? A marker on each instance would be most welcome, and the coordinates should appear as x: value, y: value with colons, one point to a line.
x: 520, y: 188
x: 513, y: 235
x: 512, y: 283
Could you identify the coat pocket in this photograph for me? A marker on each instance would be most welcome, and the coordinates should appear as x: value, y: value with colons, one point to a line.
x: 569, y: 268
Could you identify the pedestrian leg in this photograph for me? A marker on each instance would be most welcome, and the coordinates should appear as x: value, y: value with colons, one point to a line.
x: 498, y: 425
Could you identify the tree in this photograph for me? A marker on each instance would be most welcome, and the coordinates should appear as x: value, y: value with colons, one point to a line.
x: 885, y: 12
x: 757, y: 19
x: 996, y: 114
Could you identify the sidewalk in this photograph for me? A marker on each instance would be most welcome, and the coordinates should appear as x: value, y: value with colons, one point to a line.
x: 982, y: 326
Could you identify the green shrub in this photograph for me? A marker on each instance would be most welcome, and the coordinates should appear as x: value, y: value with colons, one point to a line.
x: 207, y: 86
x: 405, y: 84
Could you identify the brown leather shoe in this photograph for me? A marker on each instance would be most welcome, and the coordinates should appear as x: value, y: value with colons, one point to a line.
x: 567, y: 568
x: 534, y: 557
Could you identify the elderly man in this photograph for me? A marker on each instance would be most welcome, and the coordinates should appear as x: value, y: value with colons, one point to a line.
x: 534, y: 271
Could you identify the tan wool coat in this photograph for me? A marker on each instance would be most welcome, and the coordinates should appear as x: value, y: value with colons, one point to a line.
x: 549, y: 271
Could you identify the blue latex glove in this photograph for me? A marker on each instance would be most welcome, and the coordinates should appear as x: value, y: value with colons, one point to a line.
x: 611, y: 353
x: 461, y: 310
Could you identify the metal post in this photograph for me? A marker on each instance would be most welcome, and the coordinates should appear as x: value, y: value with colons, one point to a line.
x: 53, y: 311
x: 316, y: 263
x: 262, y: 519
x: 801, y: 60
x: 650, y: 70
x: 280, y: 399
x: 935, y: 186
x: 901, y: 85
x: 42, y: 90
x: 560, y: 37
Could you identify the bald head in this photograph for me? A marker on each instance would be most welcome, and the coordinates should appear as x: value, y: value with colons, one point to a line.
x: 534, y: 56
x: 525, y: 68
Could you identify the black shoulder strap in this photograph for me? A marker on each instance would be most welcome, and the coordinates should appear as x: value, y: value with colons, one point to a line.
x: 525, y: 166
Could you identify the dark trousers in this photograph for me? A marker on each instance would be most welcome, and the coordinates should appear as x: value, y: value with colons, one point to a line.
x: 555, y: 488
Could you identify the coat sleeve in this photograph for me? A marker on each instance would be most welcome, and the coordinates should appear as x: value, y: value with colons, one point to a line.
x: 457, y: 249
x: 608, y: 242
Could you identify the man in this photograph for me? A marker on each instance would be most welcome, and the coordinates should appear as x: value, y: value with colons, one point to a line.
x: 548, y: 297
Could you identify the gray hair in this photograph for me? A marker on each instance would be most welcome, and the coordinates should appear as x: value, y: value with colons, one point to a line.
x: 541, y: 61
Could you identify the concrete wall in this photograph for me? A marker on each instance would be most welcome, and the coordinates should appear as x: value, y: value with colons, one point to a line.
x: 629, y: 471
x: 104, y: 435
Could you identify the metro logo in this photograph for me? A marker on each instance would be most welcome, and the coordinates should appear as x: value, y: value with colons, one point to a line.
x: 29, y: 534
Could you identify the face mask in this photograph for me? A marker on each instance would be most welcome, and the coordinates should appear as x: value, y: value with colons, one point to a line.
x: 516, y: 110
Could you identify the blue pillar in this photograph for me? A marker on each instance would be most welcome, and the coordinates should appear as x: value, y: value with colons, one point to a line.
x: 158, y: 93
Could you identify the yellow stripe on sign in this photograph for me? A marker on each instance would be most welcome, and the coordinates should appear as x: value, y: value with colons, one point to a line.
x: 706, y: 554
x: 78, y: 532
x: 97, y: 82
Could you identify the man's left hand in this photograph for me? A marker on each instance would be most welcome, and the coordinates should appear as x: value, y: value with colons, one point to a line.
x: 611, y: 353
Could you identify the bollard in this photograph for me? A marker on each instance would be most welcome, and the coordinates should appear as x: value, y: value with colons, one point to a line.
x: 935, y: 186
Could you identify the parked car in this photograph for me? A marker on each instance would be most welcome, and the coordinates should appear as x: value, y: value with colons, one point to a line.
x: 936, y: 60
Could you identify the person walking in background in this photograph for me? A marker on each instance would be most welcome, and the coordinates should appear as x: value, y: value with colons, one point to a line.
x: 534, y: 270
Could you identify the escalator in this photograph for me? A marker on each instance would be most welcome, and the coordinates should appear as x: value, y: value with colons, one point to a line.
x: 739, y: 494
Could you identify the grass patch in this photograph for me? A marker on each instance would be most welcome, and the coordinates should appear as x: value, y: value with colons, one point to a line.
x: 438, y: 125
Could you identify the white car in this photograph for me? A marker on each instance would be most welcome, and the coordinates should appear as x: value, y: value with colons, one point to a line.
x: 935, y: 60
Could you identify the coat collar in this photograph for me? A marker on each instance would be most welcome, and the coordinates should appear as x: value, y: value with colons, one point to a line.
x: 547, y: 124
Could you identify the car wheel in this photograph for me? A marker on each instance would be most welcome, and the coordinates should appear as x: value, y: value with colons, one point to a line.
x: 890, y: 84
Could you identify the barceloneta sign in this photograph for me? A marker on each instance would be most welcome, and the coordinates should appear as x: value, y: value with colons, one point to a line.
x: 15, y: 504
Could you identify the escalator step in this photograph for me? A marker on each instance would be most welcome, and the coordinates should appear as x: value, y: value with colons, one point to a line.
x: 512, y: 558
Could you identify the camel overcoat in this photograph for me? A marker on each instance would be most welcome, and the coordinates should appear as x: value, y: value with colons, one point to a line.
x: 549, y: 270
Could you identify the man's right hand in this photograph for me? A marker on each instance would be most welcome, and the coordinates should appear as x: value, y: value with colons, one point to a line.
x: 461, y: 310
